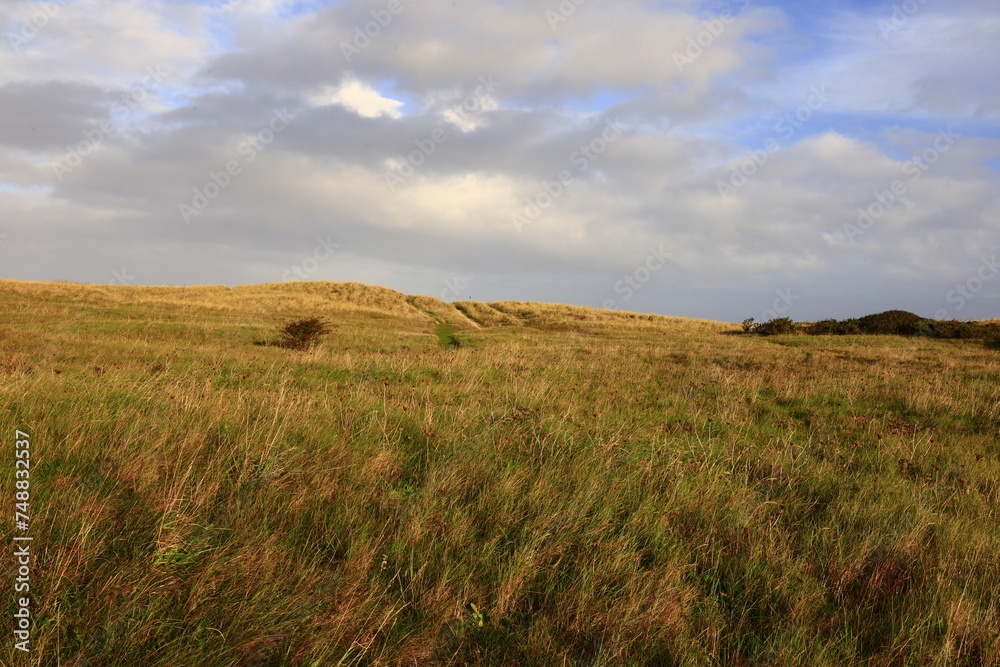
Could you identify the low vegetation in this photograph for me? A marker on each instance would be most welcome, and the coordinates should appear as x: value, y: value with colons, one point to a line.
x: 303, y: 334
x: 891, y: 322
x: 568, y: 487
x: 775, y: 327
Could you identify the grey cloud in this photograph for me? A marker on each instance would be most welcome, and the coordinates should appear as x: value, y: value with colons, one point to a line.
x: 40, y: 116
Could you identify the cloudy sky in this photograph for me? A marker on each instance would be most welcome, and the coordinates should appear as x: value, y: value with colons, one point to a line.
x: 715, y: 158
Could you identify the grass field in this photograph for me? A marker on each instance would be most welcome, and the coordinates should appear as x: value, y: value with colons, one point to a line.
x: 490, y: 484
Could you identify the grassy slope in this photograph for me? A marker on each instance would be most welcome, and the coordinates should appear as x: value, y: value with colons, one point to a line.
x: 606, y: 488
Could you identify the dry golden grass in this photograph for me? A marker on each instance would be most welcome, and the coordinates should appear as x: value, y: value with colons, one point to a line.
x: 440, y: 311
x: 559, y: 316
x: 484, y: 314
x: 606, y: 489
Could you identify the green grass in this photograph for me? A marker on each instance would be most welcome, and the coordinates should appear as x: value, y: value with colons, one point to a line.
x: 446, y: 335
x: 567, y: 487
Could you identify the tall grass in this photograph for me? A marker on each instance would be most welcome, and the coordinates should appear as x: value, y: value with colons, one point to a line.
x: 568, y: 487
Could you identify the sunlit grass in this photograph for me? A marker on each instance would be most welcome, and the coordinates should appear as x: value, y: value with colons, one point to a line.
x: 566, y: 487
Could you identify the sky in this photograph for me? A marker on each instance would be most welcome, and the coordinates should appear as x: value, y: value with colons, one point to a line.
x: 720, y: 159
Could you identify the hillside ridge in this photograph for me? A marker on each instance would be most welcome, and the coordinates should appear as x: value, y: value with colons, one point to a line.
x: 323, y: 297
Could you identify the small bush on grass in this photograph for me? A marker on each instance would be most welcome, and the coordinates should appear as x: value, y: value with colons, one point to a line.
x: 777, y: 327
x: 899, y: 322
x: 302, y: 334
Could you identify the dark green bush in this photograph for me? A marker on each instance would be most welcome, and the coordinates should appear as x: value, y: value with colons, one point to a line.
x: 302, y: 334
x: 776, y: 327
x: 833, y: 327
x: 898, y: 322
x: 823, y: 328
x: 850, y: 326
x: 960, y: 330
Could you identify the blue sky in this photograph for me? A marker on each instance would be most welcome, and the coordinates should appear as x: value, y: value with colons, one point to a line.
x: 516, y: 148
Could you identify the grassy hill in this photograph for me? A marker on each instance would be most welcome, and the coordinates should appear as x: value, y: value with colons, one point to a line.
x: 568, y: 486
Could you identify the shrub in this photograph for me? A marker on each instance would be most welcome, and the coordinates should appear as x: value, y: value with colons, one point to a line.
x: 991, y: 329
x: 302, y: 334
x: 777, y: 327
x: 959, y: 330
x: 835, y: 328
x: 899, y: 322
x: 823, y: 328
x: 851, y: 327
x: 749, y: 326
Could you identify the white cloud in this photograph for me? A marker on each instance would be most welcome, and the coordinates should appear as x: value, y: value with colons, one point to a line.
x: 359, y: 98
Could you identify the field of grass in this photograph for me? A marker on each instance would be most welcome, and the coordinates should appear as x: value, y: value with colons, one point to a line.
x: 490, y: 484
